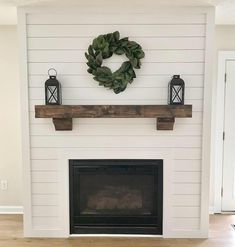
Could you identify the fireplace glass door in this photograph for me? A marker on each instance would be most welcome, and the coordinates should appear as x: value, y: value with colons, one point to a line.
x: 116, y: 196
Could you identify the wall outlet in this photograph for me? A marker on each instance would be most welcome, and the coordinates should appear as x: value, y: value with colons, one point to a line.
x: 4, y: 185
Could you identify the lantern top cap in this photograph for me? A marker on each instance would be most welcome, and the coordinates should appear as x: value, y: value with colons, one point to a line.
x: 176, y: 80
x: 50, y: 72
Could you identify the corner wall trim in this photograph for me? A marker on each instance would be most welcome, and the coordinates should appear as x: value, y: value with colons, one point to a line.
x: 11, y: 209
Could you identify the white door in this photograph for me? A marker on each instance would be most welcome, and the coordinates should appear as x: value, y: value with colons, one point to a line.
x: 228, y: 199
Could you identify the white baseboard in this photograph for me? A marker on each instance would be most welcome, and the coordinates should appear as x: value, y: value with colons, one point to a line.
x: 11, y: 210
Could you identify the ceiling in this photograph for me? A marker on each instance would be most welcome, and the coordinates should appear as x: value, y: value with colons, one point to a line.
x: 225, y: 9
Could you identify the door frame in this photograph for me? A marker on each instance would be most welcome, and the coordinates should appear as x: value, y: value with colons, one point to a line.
x: 218, y: 115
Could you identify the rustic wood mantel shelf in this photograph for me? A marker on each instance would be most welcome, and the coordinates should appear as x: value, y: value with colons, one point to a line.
x: 62, y: 115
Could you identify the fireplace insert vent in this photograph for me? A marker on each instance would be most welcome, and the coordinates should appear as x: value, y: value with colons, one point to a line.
x: 116, y: 196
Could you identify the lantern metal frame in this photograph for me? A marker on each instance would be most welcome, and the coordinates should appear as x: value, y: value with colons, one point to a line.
x: 52, y: 89
x: 176, y: 91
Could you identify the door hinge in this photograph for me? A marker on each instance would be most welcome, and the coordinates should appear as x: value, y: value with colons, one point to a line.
x: 225, y: 77
x: 223, y: 136
x: 222, y: 192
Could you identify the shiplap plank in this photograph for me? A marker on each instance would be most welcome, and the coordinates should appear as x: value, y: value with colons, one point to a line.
x: 53, y: 153
x: 114, y: 18
x: 45, y: 188
x: 186, y: 200
x: 186, y: 189
x: 187, y: 165
x: 101, y: 93
x: 152, y: 81
x: 115, y: 141
x: 151, y: 56
x: 45, y: 200
x: 187, y: 177
x: 189, y: 154
x: 45, y: 211
x: 125, y: 30
x: 117, y: 129
x: 185, y: 223
x: 146, y: 69
x: 147, y: 43
x: 44, y: 176
x: 45, y: 223
x: 44, y: 165
x: 186, y: 212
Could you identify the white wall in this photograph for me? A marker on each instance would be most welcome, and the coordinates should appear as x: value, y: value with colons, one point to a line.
x: 224, y: 40
x: 174, y: 43
x: 10, y: 157
x: 225, y: 37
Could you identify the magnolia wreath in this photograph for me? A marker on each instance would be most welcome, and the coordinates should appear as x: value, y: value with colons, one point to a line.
x: 103, y: 47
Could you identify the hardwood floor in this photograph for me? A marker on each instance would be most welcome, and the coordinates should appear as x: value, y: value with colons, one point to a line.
x: 221, y: 235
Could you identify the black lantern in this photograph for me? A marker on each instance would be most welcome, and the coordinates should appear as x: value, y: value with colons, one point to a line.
x: 176, y: 91
x: 52, y: 89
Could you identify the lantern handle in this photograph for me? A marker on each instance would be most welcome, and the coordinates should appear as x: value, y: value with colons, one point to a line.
x: 52, y: 69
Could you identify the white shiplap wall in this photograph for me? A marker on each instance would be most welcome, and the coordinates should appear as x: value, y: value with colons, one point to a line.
x: 173, y: 44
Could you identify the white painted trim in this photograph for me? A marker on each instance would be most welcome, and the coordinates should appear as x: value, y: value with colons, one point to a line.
x: 218, y: 132
x: 65, y: 155
x: 23, y: 72
x: 11, y: 210
x: 206, y: 142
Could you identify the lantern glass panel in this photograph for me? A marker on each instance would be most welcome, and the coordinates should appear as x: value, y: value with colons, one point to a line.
x: 177, y: 94
x: 52, y: 94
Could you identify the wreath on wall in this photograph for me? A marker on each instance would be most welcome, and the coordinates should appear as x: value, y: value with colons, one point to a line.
x: 103, y: 47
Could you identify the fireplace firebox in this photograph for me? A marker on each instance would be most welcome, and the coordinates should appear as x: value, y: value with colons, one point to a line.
x: 116, y: 196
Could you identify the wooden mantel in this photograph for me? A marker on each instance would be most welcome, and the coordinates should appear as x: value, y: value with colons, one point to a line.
x: 62, y: 115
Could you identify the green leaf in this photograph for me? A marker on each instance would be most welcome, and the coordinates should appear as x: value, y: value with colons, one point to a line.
x: 90, y: 51
x: 101, y: 42
x: 109, y: 37
x: 116, y: 35
x: 139, y: 54
x: 104, y: 71
x: 138, y: 64
x: 112, y: 48
x: 103, y: 79
x: 134, y: 62
x: 105, y: 51
x: 107, y: 70
x: 125, y: 66
x: 95, y: 44
x: 124, y: 39
x: 92, y: 65
x: 123, y: 43
x: 89, y: 70
x: 99, y: 59
x: 87, y: 56
x: 119, y: 51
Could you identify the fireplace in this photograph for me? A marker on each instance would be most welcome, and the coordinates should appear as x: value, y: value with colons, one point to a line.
x: 116, y: 196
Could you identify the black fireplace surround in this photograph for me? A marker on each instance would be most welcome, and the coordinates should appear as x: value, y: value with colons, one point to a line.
x: 116, y: 196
